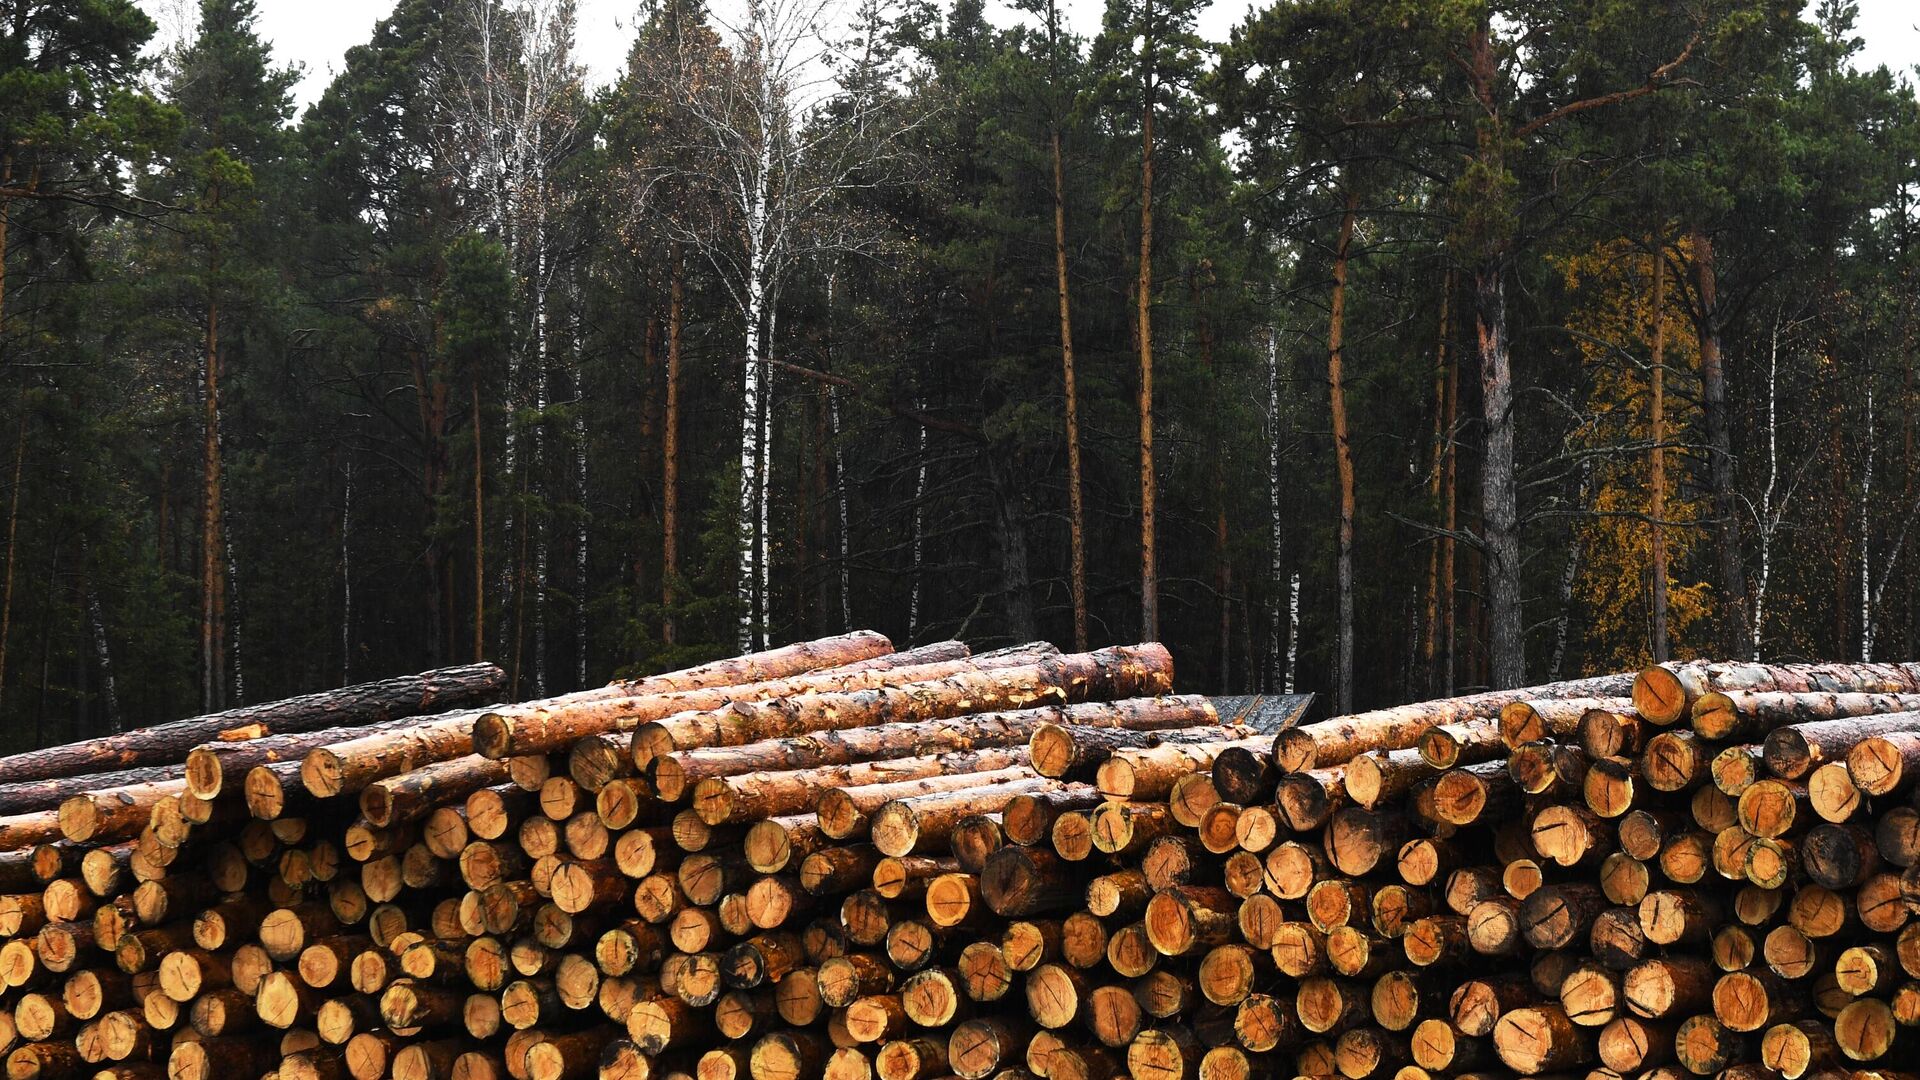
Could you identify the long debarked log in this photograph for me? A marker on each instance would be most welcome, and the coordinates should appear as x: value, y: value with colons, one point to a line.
x: 847, y: 812
x: 1342, y: 738
x: 348, y: 767
x: 752, y: 796
x: 167, y: 744
x: 1666, y: 693
x: 542, y: 729
x: 675, y: 774
x: 1124, y: 671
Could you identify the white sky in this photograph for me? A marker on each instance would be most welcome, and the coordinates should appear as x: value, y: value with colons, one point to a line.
x: 317, y: 33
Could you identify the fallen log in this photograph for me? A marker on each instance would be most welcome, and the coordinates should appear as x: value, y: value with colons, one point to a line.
x: 167, y: 744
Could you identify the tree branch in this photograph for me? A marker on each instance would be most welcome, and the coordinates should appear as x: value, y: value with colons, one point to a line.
x: 1655, y: 81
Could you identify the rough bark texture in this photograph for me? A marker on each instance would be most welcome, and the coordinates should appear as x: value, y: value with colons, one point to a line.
x: 1713, y: 404
x: 1342, y: 738
x: 1118, y: 672
x: 544, y: 729
x: 1750, y: 714
x: 1667, y: 693
x: 409, y: 695
x: 1342, y: 457
x: 676, y: 773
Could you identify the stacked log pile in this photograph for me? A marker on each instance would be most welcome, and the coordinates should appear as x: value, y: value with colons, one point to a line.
x: 837, y: 862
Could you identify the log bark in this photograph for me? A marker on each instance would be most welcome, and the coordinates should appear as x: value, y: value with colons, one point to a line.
x: 674, y: 774
x: 846, y: 813
x: 1751, y: 714
x: 1343, y: 738
x: 1109, y: 673
x: 539, y: 728
x: 752, y: 796
x: 167, y: 744
x: 917, y: 823
x: 1667, y: 693
x: 1794, y: 751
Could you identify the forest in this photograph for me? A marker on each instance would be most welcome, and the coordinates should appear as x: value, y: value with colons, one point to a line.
x: 1386, y: 349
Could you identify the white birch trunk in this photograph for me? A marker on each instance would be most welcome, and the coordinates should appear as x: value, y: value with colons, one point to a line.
x: 102, y: 655
x: 1866, y: 539
x: 919, y: 527
x: 1769, y: 517
x: 1276, y: 673
x: 235, y: 612
x: 537, y: 479
x: 580, y: 498
x: 1293, y: 630
x: 763, y: 565
x: 840, y: 490
x: 752, y: 389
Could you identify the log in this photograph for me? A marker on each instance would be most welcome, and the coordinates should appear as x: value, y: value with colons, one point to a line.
x: 1794, y: 751
x: 1343, y: 738
x: 346, y: 768
x: 547, y: 727
x: 1074, y: 750
x: 752, y: 796
x: 1882, y: 764
x: 917, y: 823
x: 30, y: 795
x: 412, y: 796
x: 168, y: 744
x: 1109, y: 673
x: 1667, y: 693
x: 1151, y: 772
x: 1751, y: 714
x: 1540, y: 1039
x: 674, y: 774
x: 1532, y: 719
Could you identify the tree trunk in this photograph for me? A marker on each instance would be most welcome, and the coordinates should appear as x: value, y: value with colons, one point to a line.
x: 13, y: 523
x: 1726, y: 508
x: 670, y: 458
x: 583, y: 517
x: 212, y: 572
x: 479, y: 534
x: 1279, y: 671
x: 747, y: 592
x: 1342, y: 456
x: 1657, y: 500
x: 1076, y: 520
x: 537, y: 477
x: 1499, y: 497
x: 1449, y: 636
x: 1149, y: 575
x: 1442, y: 439
x: 1010, y: 527
x: 97, y: 631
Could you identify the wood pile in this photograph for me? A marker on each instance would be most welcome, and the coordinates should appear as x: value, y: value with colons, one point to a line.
x: 832, y: 861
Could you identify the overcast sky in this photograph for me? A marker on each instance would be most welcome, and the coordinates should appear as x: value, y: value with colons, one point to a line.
x: 316, y: 33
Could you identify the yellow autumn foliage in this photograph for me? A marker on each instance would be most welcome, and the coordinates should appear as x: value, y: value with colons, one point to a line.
x: 1612, y: 320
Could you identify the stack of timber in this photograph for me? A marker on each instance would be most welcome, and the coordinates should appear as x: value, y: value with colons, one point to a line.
x: 834, y: 861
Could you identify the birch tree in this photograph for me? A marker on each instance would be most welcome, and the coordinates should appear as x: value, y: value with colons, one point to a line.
x: 778, y: 131
x: 512, y: 94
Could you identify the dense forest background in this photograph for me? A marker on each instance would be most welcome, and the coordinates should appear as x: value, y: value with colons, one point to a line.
x: 1391, y: 347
